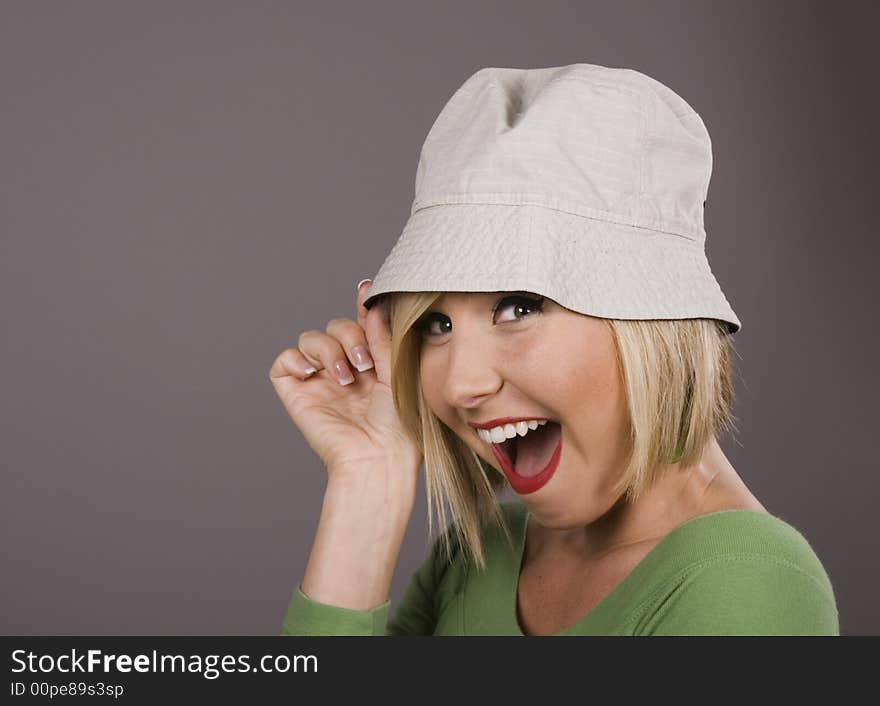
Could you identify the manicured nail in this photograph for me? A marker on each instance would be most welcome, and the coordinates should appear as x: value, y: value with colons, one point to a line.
x: 361, y: 282
x: 343, y: 374
x: 362, y: 359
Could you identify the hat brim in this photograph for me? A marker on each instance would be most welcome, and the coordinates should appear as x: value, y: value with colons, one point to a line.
x: 591, y: 266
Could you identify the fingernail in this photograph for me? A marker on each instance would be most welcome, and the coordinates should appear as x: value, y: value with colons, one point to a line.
x: 343, y: 374
x: 362, y: 359
x: 361, y: 282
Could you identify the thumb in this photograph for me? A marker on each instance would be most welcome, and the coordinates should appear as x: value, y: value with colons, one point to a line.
x: 376, y: 323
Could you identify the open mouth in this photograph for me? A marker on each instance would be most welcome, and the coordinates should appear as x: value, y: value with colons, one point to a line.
x: 530, y: 455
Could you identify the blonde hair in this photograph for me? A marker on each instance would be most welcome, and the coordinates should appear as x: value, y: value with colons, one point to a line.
x: 677, y: 374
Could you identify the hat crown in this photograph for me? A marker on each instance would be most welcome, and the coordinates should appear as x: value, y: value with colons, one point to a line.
x: 607, y: 143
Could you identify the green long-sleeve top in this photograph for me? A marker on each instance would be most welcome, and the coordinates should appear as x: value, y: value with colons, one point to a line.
x: 733, y: 572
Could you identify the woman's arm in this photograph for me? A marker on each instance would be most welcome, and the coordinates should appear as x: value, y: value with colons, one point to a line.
x: 363, y: 522
x: 415, y: 614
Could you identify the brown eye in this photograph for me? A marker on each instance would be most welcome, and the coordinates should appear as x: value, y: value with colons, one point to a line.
x: 519, y: 304
x: 522, y: 306
x: 424, y: 323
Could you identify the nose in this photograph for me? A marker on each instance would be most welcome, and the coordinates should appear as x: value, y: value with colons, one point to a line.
x: 472, y: 376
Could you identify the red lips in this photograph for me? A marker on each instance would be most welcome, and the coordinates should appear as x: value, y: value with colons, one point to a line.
x: 524, y: 486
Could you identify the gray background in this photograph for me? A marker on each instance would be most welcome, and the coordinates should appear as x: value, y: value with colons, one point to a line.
x: 186, y: 186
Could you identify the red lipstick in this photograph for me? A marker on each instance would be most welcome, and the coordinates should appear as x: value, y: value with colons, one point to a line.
x: 524, y: 486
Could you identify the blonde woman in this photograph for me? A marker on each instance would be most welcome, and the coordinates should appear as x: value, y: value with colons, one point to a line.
x: 547, y: 321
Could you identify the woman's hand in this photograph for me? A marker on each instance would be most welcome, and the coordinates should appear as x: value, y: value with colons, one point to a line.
x: 354, y: 427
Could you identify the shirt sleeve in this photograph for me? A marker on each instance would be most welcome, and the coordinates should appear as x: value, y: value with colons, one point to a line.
x: 745, y: 595
x: 415, y: 614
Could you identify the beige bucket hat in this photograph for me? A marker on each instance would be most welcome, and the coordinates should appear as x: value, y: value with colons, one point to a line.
x: 582, y: 183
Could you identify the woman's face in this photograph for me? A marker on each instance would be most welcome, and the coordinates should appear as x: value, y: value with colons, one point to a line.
x: 531, y: 358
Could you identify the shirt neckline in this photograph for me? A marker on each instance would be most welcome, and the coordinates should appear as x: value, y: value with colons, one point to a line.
x: 632, y: 576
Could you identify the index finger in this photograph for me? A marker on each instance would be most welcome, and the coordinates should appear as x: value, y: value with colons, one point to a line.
x: 376, y: 326
x: 363, y: 292
x: 381, y: 304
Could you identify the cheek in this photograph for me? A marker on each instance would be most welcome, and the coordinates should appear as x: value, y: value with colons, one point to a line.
x: 579, y: 379
x: 536, y: 358
x: 570, y: 373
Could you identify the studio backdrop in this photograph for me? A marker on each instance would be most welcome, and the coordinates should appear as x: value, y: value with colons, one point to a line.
x: 187, y: 187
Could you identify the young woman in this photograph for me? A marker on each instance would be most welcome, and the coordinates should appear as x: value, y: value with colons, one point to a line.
x: 597, y: 393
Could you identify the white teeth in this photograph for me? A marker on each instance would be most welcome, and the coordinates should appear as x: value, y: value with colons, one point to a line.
x: 496, y: 435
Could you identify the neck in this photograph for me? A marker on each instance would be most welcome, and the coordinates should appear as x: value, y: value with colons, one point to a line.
x: 679, y: 494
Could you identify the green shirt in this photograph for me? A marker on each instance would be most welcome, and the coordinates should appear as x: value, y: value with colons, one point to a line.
x: 733, y: 572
